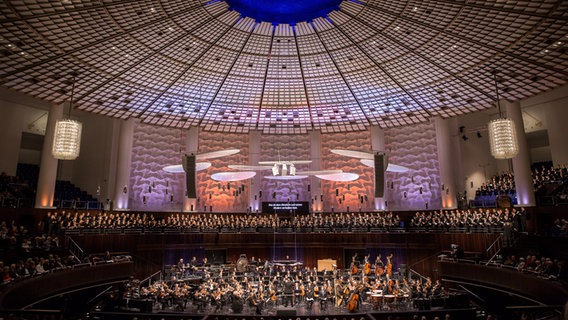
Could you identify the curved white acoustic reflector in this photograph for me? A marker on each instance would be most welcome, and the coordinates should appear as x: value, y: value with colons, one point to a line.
x: 353, y: 154
x: 233, y: 176
x: 285, y: 177
x: 285, y: 162
x: 309, y: 173
x: 248, y: 168
x: 390, y: 168
x: 178, y: 168
x: 344, y: 176
x: 216, y: 154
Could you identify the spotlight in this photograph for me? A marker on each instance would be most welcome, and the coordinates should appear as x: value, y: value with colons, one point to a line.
x: 462, y: 129
x: 479, y: 134
x: 292, y: 169
x: 465, y: 138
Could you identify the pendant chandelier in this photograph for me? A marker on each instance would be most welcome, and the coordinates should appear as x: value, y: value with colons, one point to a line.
x: 67, y: 136
x: 502, y: 135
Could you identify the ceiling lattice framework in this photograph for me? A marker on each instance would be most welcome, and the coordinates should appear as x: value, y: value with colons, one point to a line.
x: 182, y: 63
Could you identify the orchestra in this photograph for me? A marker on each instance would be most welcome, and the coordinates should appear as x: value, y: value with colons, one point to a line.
x: 265, y: 287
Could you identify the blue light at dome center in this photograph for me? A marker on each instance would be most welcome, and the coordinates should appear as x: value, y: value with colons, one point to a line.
x: 283, y: 11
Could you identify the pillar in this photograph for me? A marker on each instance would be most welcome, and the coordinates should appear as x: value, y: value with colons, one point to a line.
x: 122, y: 182
x: 48, y: 166
x: 556, y: 115
x: 191, y: 145
x: 521, y: 163
x: 11, y: 133
x: 378, y: 144
x: 447, y: 161
x: 315, y: 183
x: 256, y: 181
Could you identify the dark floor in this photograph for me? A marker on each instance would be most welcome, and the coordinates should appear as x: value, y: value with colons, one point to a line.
x: 301, y: 308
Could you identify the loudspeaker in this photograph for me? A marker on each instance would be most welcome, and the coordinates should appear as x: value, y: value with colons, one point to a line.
x: 189, y: 168
x: 286, y: 312
x: 379, y: 175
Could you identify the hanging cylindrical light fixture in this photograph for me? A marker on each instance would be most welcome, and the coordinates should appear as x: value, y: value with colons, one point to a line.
x: 502, y: 135
x: 503, y: 139
x: 67, y: 136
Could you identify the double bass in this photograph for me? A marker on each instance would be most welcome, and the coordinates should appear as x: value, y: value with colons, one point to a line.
x: 367, y: 266
x: 354, y: 268
x: 389, y: 265
x: 379, y: 266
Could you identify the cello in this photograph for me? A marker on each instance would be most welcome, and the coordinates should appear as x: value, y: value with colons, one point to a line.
x: 353, y: 302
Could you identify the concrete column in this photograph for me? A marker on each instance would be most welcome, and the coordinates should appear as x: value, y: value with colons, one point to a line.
x: 521, y: 163
x: 114, y: 150
x: 256, y: 181
x: 11, y: 133
x: 378, y: 144
x: 124, y: 158
x: 315, y: 183
x: 48, y: 166
x: 191, y: 145
x: 556, y: 115
x: 447, y: 160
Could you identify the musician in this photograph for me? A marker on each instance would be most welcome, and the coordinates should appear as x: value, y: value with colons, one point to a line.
x: 323, y: 295
x: 355, y: 258
x: 379, y: 266
x: 180, y: 268
x: 288, y: 292
x: 366, y: 266
x: 354, y: 292
x: 216, y: 298
x: 437, y: 289
x: 178, y: 297
x: 257, y: 300
x: 311, y: 294
x: 339, y: 290
x: 389, y: 265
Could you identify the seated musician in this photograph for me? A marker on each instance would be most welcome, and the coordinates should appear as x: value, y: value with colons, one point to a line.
x: 310, y: 294
x: 257, y: 300
x: 322, y: 296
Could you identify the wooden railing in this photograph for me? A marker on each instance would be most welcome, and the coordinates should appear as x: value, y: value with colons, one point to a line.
x: 529, y: 286
x: 26, y: 292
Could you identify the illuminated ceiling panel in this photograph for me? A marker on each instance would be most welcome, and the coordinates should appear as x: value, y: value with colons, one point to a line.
x: 335, y: 66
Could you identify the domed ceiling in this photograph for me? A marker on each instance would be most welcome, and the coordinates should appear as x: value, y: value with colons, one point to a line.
x: 235, y: 66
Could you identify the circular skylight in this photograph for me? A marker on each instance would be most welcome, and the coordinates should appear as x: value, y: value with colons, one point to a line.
x: 284, y: 11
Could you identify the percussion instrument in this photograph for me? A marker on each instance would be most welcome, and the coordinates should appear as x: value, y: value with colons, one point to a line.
x: 377, y: 300
x: 389, y: 298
